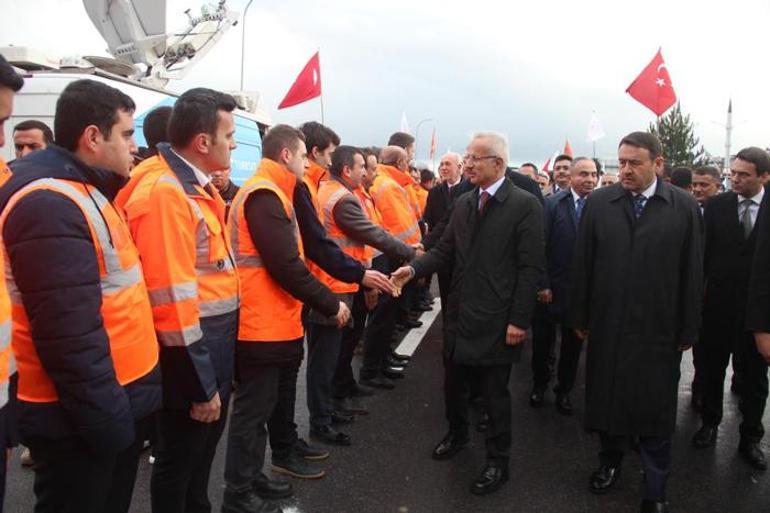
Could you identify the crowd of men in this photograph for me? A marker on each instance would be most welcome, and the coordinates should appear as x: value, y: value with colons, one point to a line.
x: 170, y: 298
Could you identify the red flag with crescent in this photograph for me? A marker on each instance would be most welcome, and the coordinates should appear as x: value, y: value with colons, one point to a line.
x: 307, y: 85
x: 653, y: 87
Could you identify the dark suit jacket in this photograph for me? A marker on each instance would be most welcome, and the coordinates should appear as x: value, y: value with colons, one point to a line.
x: 498, y: 256
x: 727, y: 259
x: 440, y: 198
x: 758, y: 302
x: 560, y: 235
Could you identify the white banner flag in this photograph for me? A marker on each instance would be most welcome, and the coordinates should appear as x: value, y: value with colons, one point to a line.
x: 595, y: 130
x: 404, y: 124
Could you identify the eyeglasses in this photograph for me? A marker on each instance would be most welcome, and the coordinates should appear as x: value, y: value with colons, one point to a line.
x: 478, y: 158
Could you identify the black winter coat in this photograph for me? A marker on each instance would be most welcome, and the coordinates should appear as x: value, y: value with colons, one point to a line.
x: 637, y: 285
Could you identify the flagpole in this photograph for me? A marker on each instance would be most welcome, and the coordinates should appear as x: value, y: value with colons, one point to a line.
x: 594, y: 150
x: 321, y: 96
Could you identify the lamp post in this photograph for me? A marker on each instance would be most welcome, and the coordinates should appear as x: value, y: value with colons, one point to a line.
x: 243, y: 41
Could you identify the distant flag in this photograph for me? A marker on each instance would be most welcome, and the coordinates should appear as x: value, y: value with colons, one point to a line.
x: 567, y: 148
x: 433, y: 144
x: 595, y: 130
x: 307, y: 85
x: 548, y: 166
x: 404, y: 124
x: 653, y: 88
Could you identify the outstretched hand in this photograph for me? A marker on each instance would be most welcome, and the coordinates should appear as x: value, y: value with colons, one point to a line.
x: 401, y: 277
x: 377, y: 280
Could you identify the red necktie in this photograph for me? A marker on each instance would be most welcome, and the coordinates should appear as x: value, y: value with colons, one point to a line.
x: 483, y: 198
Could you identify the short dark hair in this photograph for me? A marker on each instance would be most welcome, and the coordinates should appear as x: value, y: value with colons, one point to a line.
x: 561, y: 157
x: 278, y: 138
x: 529, y: 164
x: 84, y: 103
x: 8, y: 76
x: 343, y: 156
x: 401, y: 139
x: 34, y: 124
x: 711, y: 171
x: 426, y: 175
x: 645, y: 141
x: 756, y: 156
x: 197, y: 112
x: 318, y: 136
x: 681, y: 177
x: 155, y: 127
x: 371, y: 151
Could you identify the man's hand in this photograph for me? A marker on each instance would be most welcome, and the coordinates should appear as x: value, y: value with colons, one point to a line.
x: 762, y: 339
x: 343, y: 315
x: 377, y: 280
x: 545, y: 296
x: 401, y: 277
x: 370, y: 299
x: 515, y: 335
x: 208, y: 411
x: 581, y: 334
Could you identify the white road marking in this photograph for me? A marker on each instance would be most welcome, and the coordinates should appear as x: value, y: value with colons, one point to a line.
x: 412, y: 339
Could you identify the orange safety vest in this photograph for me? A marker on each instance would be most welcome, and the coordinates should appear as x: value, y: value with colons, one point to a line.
x: 374, y: 216
x: 189, y: 267
x: 329, y: 194
x: 268, y: 312
x: 395, y: 208
x: 407, y: 183
x: 422, y: 198
x: 7, y: 361
x: 314, y: 177
x: 125, y: 307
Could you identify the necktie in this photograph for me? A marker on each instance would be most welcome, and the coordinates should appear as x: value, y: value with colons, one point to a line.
x: 483, y: 198
x: 639, y: 201
x: 579, y: 204
x: 746, y: 217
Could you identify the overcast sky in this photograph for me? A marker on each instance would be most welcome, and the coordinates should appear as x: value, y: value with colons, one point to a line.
x: 532, y: 70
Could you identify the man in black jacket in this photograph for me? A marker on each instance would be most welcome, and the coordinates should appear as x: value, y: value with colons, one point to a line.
x: 731, y: 235
x: 86, y: 444
x: 496, y: 239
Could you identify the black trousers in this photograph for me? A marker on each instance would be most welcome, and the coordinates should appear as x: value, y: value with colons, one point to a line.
x: 543, y: 357
x: 492, y: 384
x: 655, y: 453
x: 382, y: 324
x: 323, y: 348
x: 715, y: 355
x: 344, y: 382
x: 184, y: 452
x: 71, y: 478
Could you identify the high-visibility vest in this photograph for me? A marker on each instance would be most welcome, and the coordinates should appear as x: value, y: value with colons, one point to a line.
x: 7, y: 361
x: 331, y: 192
x: 125, y: 306
x: 374, y: 216
x: 313, y: 178
x: 189, y: 267
x: 395, y: 208
x: 407, y: 183
x: 268, y: 312
x: 422, y: 198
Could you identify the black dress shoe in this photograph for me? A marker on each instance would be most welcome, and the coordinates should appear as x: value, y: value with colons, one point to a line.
x: 329, y: 435
x: 378, y: 382
x: 339, y: 417
x: 450, y: 446
x: 393, y: 372
x: 649, y: 506
x: 603, y: 479
x: 274, y: 489
x: 537, y: 397
x: 753, y: 454
x: 411, y: 323
x: 563, y: 404
x: 296, y: 466
x: 246, y: 502
x: 483, y: 424
x: 401, y: 364
x: 490, y: 479
x: 403, y: 359
x: 706, y: 436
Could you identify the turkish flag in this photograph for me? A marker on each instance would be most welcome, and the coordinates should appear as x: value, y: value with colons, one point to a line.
x: 433, y: 144
x: 653, y: 88
x: 307, y: 86
x: 567, y: 148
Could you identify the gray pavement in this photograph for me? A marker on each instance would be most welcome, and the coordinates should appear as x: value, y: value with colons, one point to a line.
x: 388, y: 468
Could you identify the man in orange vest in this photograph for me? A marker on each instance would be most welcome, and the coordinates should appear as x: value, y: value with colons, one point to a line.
x: 398, y: 219
x: 275, y: 283
x: 321, y: 141
x: 86, y: 351
x: 349, y: 227
x: 10, y: 83
x: 178, y: 221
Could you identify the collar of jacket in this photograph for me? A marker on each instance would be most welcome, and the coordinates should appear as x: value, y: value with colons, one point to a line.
x: 500, y: 196
x: 316, y: 174
x: 279, y: 175
x: 396, y: 174
x: 662, y: 190
x: 56, y: 162
x: 181, y: 169
x: 340, y: 181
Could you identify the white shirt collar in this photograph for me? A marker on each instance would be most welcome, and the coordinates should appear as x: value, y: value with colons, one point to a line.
x: 492, y: 189
x: 450, y: 185
x: 575, y: 196
x: 203, y: 179
x: 757, y: 199
x: 650, y: 191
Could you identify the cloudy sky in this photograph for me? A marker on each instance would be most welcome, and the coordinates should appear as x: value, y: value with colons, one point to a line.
x: 533, y: 70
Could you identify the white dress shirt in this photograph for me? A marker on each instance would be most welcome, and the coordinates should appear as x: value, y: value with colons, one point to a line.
x: 202, y: 177
x: 492, y: 189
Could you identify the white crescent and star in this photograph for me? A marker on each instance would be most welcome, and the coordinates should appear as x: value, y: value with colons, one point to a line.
x: 660, y: 82
x: 315, y: 77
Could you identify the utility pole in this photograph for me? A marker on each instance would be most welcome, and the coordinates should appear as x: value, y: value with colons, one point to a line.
x: 243, y: 40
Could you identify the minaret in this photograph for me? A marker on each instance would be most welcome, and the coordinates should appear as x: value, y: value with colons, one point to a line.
x: 728, y: 135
